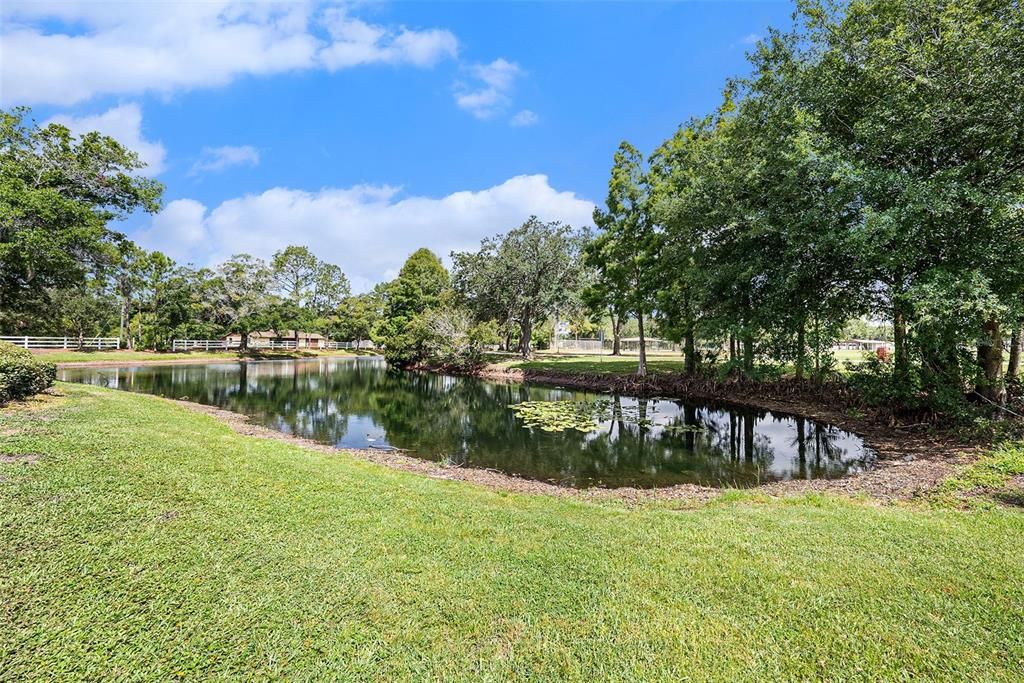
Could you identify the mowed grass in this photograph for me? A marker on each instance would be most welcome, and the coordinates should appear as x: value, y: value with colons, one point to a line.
x: 627, y: 364
x: 129, y: 356
x: 147, y: 542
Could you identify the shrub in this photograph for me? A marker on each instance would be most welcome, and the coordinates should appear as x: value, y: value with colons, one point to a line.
x: 451, y: 338
x: 22, y: 374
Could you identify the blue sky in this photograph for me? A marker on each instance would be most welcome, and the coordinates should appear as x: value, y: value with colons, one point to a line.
x: 367, y: 130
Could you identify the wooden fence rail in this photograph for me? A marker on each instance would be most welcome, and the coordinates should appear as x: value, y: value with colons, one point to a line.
x: 63, y: 342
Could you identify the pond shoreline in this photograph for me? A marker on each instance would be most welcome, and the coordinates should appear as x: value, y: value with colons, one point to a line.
x: 895, y: 445
x: 908, y: 462
x: 889, y: 481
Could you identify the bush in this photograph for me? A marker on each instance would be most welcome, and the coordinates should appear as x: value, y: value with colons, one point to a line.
x: 22, y: 374
x: 451, y: 338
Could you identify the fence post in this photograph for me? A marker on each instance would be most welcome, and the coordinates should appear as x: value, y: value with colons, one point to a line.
x: 26, y: 342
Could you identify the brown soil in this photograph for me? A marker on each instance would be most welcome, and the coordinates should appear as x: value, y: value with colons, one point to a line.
x: 27, y: 458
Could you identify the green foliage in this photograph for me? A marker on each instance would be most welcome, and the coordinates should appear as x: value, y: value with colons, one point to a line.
x: 624, y: 253
x: 558, y: 416
x: 355, y: 317
x: 57, y: 194
x: 420, y: 286
x: 299, y: 276
x: 22, y: 374
x: 522, y: 278
x: 452, y: 339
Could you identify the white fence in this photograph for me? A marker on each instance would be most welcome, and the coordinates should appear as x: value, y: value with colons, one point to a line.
x: 291, y: 345
x: 64, y: 342
x: 588, y: 345
x: 364, y: 344
x: 204, y: 344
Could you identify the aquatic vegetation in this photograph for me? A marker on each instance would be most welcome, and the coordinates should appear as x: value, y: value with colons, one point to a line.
x: 586, y: 416
x: 558, y: 416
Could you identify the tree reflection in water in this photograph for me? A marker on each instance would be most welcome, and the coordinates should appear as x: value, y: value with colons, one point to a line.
x: 361, y: 403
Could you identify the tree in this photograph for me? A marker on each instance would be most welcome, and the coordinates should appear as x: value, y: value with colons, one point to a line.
x: 329, y: 288
x: 624, y: 251
x: 915, y: 94
x: 523, y: 276
x: 356, y: 317
x: 129, y: 273
x: 57, y: 195
x: 85, y: 311
x: 293, y: 271
x: 241, y: 295
x: 420, y: 285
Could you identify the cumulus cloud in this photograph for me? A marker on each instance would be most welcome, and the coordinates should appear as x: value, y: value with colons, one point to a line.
x: 355, y: 42
x: 367, y: 230
x: 524, y: 118
x: 124, y: 124
x: 220, y: 158
x: 64, y: 52
x: 490, y: 91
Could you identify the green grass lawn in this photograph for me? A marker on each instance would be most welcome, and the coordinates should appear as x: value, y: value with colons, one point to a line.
x: 148, y: 542
x: 128, y: 356
x: 626, y: 364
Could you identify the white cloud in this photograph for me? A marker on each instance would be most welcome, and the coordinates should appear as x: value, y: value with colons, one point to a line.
x: 219, y: 158
x: 124, y: 124
x: 128, y: 48
x: 355, y: 42
x: 490, y: 94
x: 524, y: 118
x: 750, y: 39
x: 367, y: 230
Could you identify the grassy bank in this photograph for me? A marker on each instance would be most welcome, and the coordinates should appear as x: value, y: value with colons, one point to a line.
x: 621, y: 365
x: 141, y: 540
x: 124, y: 355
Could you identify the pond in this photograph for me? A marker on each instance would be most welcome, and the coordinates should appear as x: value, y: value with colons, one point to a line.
x: 573, y: 438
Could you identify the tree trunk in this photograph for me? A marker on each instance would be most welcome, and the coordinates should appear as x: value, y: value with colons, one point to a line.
x: 616, y: 334
x: 689, y: 336
x: 901, y: 361
x: 990, y: 362
x: 525, y: 333
x: 732, y: 347
x: 120, y: 327
x: 128, y: 328
x: 1016, y: 341
x: 243, y: 344
x: 801, y: 349
x: 690, y: 352
x: 748, y: 353
x: 641, y: 369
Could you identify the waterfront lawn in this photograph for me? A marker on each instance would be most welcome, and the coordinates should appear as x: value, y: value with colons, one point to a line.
x: 606, y: 364
x: 125, y: 355
x: 144, y: 541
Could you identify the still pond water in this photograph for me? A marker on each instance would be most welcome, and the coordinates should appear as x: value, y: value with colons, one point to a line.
x: 613, y: 440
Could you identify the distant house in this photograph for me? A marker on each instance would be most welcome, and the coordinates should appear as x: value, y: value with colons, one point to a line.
x: 302, y: 340
x: 863, y: 345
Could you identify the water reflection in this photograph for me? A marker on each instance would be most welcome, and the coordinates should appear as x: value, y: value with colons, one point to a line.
x: 361, y: 403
